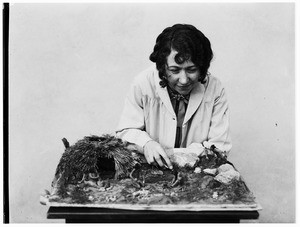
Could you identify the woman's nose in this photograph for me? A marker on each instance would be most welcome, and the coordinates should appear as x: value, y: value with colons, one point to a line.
x: 183, y: 79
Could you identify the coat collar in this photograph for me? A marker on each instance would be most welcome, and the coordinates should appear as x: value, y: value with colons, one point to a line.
x: 195, y: 100
x: 163, y: 94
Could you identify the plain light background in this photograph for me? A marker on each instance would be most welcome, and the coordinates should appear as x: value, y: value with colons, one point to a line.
x: 71, y: 66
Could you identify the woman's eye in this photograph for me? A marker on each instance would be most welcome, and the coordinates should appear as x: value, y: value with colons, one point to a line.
x: 174, y: 71
x: 188, y: 70
x: 192, y: 70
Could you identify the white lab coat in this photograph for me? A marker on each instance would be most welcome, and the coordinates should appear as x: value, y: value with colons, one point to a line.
x: 148, y: 114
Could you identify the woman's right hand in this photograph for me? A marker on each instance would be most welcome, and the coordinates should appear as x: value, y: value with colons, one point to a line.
x: 153, y: 152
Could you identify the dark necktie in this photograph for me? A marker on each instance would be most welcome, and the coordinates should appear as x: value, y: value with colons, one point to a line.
x: 179, y: 103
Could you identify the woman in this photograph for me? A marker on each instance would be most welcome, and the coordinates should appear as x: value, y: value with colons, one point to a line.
x: 176, y: 103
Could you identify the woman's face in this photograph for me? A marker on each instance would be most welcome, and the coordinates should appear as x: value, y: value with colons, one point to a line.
x: 181, y: 77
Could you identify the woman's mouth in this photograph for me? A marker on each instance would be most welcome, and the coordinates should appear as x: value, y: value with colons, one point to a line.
x: 184, y: 87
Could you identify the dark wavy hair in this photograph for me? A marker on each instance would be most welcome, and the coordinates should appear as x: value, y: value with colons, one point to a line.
x: 189, y: 42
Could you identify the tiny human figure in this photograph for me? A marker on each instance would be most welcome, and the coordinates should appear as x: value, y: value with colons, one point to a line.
x: 176, y: 103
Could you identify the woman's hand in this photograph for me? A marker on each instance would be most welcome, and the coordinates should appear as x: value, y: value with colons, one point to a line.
x: 153, y: 151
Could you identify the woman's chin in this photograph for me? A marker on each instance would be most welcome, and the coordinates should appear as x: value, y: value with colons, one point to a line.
x: 184, y: 91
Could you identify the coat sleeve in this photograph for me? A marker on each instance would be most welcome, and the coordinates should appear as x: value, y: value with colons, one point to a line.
x: 219, y: 133
x: 131, y: 126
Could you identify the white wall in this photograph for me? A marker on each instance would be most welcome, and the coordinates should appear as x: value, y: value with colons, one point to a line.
x: 71, y: 66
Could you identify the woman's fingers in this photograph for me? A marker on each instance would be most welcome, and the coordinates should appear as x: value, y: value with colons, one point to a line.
x: 162, y: 158
x: 158, y: 160
x: 149, y: 157
x: 167, y: 160
x: 153, y: 151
